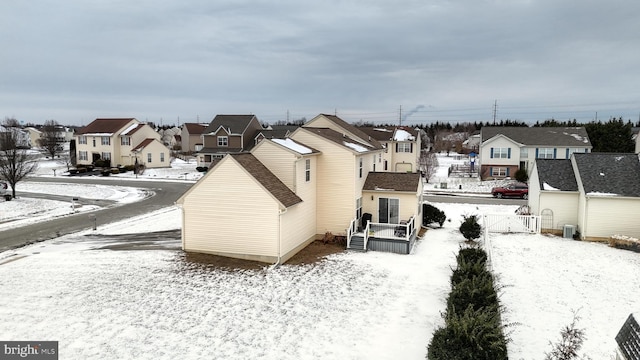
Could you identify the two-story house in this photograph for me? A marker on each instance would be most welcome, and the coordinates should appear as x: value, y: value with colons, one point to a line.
x: 402, y: 147
x: 191, y: 137
x: 504, y: 150
x: 268, y: 204
x: 228, y: 134
x: 123, y: 141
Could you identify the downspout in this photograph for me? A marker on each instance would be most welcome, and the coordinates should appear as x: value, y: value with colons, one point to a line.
x: 280, y: 213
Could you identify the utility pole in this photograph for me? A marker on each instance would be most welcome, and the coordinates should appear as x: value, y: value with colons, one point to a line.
x: 495, y: 110
x: 287, y: 117
x: 400, y: 117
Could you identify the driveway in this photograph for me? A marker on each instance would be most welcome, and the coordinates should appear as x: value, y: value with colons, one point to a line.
x: 165, y: 193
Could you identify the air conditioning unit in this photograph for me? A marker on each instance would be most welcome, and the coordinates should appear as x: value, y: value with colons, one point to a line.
x: 568, y: 231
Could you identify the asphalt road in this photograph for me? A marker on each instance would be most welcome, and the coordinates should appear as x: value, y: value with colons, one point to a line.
x: 462, y: 198
x: 162, y: 193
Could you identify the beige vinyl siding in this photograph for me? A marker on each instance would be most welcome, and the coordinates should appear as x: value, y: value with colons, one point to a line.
x: 280, y: 161
x: 237, y: 217
x: 336, y: 192
x: 534, y: 192
x: 408, y: 203
x: 563, y: 204
x: 155, y: 148
x: 322, y: 122
x: 611, y: 216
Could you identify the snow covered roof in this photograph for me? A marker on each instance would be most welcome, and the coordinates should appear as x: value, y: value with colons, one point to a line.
x: 356, y: 147
x: 403, y: 135
x: 540, y: 136
x: 389, y: 181
x: 293, y: 145
x: 343, y: 139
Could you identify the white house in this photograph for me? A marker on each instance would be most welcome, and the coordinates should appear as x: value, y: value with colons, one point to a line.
x: 596, y: 193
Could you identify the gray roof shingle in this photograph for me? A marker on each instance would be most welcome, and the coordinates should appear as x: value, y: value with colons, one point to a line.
x: 341, y: 139
x: 392, y: 181
x: 609, y: 173
x: 557, y: 174
x: 540, y: 136
x: 236, y: 124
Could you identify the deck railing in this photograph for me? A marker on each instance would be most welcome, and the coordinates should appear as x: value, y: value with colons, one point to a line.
x: 404, y: 230
x: 353, y: 228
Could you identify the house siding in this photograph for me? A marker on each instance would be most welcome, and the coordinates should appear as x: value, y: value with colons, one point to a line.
x: 280, y: 161
x: 605, y: 217
x: 407, y: 209
x: 249, y: 220
x: 563, y: 204
x: 335, y: 181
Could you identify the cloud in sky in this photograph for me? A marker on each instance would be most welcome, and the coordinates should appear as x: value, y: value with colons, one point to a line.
x: 75, y: 60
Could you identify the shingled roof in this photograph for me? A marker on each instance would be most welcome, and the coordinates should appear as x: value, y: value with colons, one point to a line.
x: 556, y: 173
x: 235, y: 124
x: 361, y: 135
x: 265, y: 177
x: 388, y: 181
x: 386, y: 133
x: 104, y: 126
x: 343, y: 140
x: 609, y: 173
x: 195, y: 128
x: 540, y: 136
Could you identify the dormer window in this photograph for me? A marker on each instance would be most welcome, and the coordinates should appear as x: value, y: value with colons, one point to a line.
x: 223, y: 141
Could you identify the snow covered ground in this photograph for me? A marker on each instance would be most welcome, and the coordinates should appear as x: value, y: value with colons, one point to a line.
x: 154, y: 304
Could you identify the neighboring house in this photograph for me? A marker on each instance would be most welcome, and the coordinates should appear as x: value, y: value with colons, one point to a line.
x: 122, y: 142
x: 275, y: 132
x: 596, y: 193
x: 191, y: 137
x: 168, y: 136
x: 19, y: 135
x: 402, y: 147
x: 636, y: 139
x: 269, y: 204
x: 228, y: 134
x: 34, y: 135
x: 504, y: 150
x: 473, y: 142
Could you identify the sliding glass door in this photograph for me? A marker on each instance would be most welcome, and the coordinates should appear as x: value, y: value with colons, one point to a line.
x: 388, y: 210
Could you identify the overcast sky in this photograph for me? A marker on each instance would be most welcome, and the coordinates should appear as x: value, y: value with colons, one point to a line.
x: 182, y: 61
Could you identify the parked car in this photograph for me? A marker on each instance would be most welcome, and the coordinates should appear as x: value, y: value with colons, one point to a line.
x: 520, y: 190
x: 3, y: 191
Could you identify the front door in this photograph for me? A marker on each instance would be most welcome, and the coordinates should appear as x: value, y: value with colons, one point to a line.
x: 388, y: 210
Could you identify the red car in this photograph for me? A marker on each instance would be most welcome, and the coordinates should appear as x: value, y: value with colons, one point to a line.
x: 520, y: 190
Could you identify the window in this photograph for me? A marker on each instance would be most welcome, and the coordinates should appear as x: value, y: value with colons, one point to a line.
x: 161, y: 157
x: 94, y: 142
x: 499, y: 171
x: 524, y: 153
x: 360, y: 168
x: 404, y: 147
x: 307, y: 170
x: 501, y: 153
x: 359, y: 208
x: 82, y: 140
x: 223, y: 141
x: 105, y: 156
x: 386, y: 165
x: 125, y: 140
x: 149, y: 158
x: 83, y: 156
x: 546, y: 153
x: 106, y: 140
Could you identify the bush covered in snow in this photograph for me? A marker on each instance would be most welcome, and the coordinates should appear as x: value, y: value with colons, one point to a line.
x: 473, y: 327
x: 431, y: 214
x: 470, y: 228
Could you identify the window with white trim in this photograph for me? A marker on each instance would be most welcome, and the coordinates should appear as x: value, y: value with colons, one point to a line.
x: 307, y: 170
x: 499, y: 171
x: 360, y: 167
x: 161, y: 157
x: 82, y: 140
x: 125, y: 140
x: 404, y: 147
x: 359, y: 208
x: 105, y: 156
x: 524, y: 153
x: 223, y: 141
x: 83, y: 156
x: 546, y: 153
x: 105, y: 140
x: 149, y: 158
x: 500, y: 153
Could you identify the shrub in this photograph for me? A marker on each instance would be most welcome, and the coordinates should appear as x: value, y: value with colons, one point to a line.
x: 129, y: 167
x: 477, y: 292
x: 521, y: 175
x: 571, y: 339
x: 470, y: 335
x: 115, y: 171
x: 470, y: 228
x: 471, y: 254
x: 431, y: 214
x: 102, y: 163
x: 467, y: 270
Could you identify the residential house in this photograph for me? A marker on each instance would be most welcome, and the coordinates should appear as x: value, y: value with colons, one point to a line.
x: 34, y: 135
x: 268, y: 204
x: 123, y: 141
x: 275, y: 132
x: 169, y: 136
x: 504, y: 150
x: 598, y: 194
x: 228, y: 134
x: 20, y: 136
x: 402, y: 147
x: 191, y: 137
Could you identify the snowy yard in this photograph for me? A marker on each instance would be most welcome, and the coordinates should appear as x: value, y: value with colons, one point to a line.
x: 156, y: 304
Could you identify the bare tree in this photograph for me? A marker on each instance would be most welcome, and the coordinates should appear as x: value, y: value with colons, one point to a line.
x: 51, y: 138
x: 428, y: 164
x: 15, y: 163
